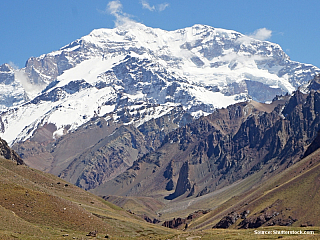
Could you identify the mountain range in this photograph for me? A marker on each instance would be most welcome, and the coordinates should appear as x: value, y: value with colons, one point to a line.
x: 200, y: 68
x: 178, y: 117
x: 103, y: 93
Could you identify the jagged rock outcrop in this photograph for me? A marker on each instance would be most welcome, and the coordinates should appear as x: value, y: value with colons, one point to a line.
x: 269, y: 216
x: 183, y: 222
x: 174, y: 223
x: 228, y: 220
x: 8, y: 153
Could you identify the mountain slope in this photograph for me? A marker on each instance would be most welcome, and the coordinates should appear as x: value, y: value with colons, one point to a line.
x: 222, y: 148
x: 100, y: 149
x: 289, y: 198
x: 36, y: 205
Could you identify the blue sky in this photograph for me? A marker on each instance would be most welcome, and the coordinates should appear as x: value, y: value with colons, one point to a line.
x: 34, y: 27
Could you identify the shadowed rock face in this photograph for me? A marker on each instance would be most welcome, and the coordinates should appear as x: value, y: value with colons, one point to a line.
x: 313, y: 146
x: 7, y: 153
x: 224, y: 147
x: 183, y: 183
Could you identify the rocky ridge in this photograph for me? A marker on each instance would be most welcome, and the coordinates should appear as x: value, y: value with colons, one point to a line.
x: 224, y: 147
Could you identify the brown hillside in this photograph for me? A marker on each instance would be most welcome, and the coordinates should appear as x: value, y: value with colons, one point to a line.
x: 35, y: 205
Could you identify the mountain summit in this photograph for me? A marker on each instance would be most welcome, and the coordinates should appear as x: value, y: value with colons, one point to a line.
x: 200, y: 68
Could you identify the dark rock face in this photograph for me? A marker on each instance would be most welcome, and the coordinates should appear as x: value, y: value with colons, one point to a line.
x: 92, y: 233
x: 183, y: 184
x: 269, y: 216
x: 149, y: 220
x: 314, y: 84
x: 177, y: 223
x: 259, y: 220
x: 58, y: 93
x: 174, y: 223
x: 244, y: 214
x: 7, y: 153
x: 170, y: 185
x: 228, y: 220
x: 313, y: 146
x: 261, y: 138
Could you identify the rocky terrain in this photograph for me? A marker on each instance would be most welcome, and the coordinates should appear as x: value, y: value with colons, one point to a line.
x: 223, y: 148
x: 287, y: 199
x: 100, y: 149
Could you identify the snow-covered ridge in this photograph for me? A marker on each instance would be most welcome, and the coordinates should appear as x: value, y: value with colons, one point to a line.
x: 199, y: 67
x: 201, y: 53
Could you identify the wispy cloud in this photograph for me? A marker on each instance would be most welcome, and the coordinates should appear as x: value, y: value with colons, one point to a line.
x: 115, y: 8
x: 13, y: 65
x: 31, y: 89
x: 125, y: 20
x: 146, y: 5
x: 160, y: 7
x: 261, y: 34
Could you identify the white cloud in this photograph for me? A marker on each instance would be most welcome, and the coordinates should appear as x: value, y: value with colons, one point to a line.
x: 13, y: 65
x: 114, y: 7
x: 261, y: 34
x: 122, y: 19
x: 162, y: 6
x: 125, y: 20
x: 146, y: 5
x: 31, y: 89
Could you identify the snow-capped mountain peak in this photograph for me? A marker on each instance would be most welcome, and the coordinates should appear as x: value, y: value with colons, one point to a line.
x: 199, y: 67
